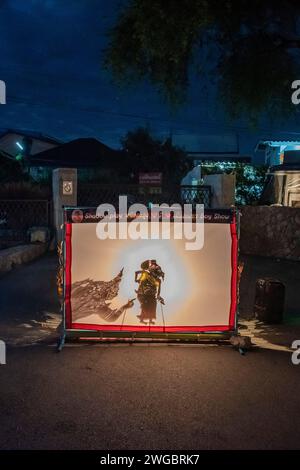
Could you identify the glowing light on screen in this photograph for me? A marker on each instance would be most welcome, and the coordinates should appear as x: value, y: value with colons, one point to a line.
x: 176, y: 286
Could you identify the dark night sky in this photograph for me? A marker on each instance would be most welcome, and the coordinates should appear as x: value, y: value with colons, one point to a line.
x: 50, y: 58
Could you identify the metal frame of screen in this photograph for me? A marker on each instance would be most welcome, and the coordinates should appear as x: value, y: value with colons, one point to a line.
x: 80, y: 330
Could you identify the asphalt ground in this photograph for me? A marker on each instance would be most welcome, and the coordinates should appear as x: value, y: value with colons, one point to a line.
x: 140, y: 396
x: 148, y: 396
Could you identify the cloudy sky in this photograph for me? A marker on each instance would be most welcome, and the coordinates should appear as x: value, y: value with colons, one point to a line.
x: 50, y: 59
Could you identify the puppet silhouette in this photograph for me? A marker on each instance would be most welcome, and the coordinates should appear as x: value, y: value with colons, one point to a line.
x: 93, y: 297
x: 148, y: 293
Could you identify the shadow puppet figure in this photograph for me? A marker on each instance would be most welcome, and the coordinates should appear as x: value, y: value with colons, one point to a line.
x: 148, y: 292
x: 94, y: 297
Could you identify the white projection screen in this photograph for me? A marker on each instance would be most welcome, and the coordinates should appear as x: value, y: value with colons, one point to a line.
x: 146, y: 285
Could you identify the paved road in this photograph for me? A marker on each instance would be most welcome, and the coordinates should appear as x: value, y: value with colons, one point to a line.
x: 29, y: 306
x: 148, y: 396
x: 139, y: 396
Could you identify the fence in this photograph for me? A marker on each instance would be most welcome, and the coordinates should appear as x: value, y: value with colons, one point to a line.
x: 17, y: 216
x: 94, y: 194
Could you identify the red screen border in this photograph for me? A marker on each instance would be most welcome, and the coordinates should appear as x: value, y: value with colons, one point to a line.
x: 157, y: 329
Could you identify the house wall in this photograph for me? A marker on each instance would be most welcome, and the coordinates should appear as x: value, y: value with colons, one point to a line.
x: 223, y: 189
x: 272, y: 156
x: 270, y: 231
x: 40, y: 173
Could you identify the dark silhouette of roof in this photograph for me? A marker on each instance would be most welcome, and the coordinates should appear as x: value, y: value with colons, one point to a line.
x: 32, y: 135
x: 78, y: 153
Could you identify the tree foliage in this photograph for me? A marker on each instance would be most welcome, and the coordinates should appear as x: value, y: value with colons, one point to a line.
x: 144, y: 153
x: 254, y: 49
x: 250, y: 180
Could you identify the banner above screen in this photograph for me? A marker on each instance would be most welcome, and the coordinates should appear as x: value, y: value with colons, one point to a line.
x: 89, y: 215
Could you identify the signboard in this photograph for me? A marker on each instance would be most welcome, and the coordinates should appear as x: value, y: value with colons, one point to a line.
x: 67, y: 188
x: 150, y: 285
x: 151, y: 179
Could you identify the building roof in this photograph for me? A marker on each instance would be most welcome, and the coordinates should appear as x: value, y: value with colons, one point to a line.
x: 32, y: 134
x: 263, y: 144
x: 6, y: 155
x: 78, y: 153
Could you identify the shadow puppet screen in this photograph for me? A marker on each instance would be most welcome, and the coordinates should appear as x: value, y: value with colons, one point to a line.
x: 151, y: 283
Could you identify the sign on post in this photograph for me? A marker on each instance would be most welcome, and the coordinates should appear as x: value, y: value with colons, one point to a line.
x: 67, y: 188
x: 150, y: 179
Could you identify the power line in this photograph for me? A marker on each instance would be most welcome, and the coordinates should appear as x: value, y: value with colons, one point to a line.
x: 96, y: 110
x: 50, y: 77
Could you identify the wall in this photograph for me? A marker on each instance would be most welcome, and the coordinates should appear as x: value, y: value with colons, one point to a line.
x: 270, y: 231
x: 223, y: 189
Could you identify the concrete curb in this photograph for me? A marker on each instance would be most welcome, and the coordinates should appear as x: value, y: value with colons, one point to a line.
x: 18, y: 255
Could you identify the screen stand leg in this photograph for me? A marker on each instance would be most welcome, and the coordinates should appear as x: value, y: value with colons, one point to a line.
x: 241, y: 343
x: 61, y: 342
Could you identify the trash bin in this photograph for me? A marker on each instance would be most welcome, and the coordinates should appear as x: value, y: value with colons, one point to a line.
x: 269, y: 300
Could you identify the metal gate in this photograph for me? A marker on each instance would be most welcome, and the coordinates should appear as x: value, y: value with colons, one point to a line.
x: 91, y: 195
x: 18, y: 215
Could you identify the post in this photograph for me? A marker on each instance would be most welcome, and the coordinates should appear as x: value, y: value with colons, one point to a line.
x: 64, y: 188
x: 2, y: 352
x: 2, y: 92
